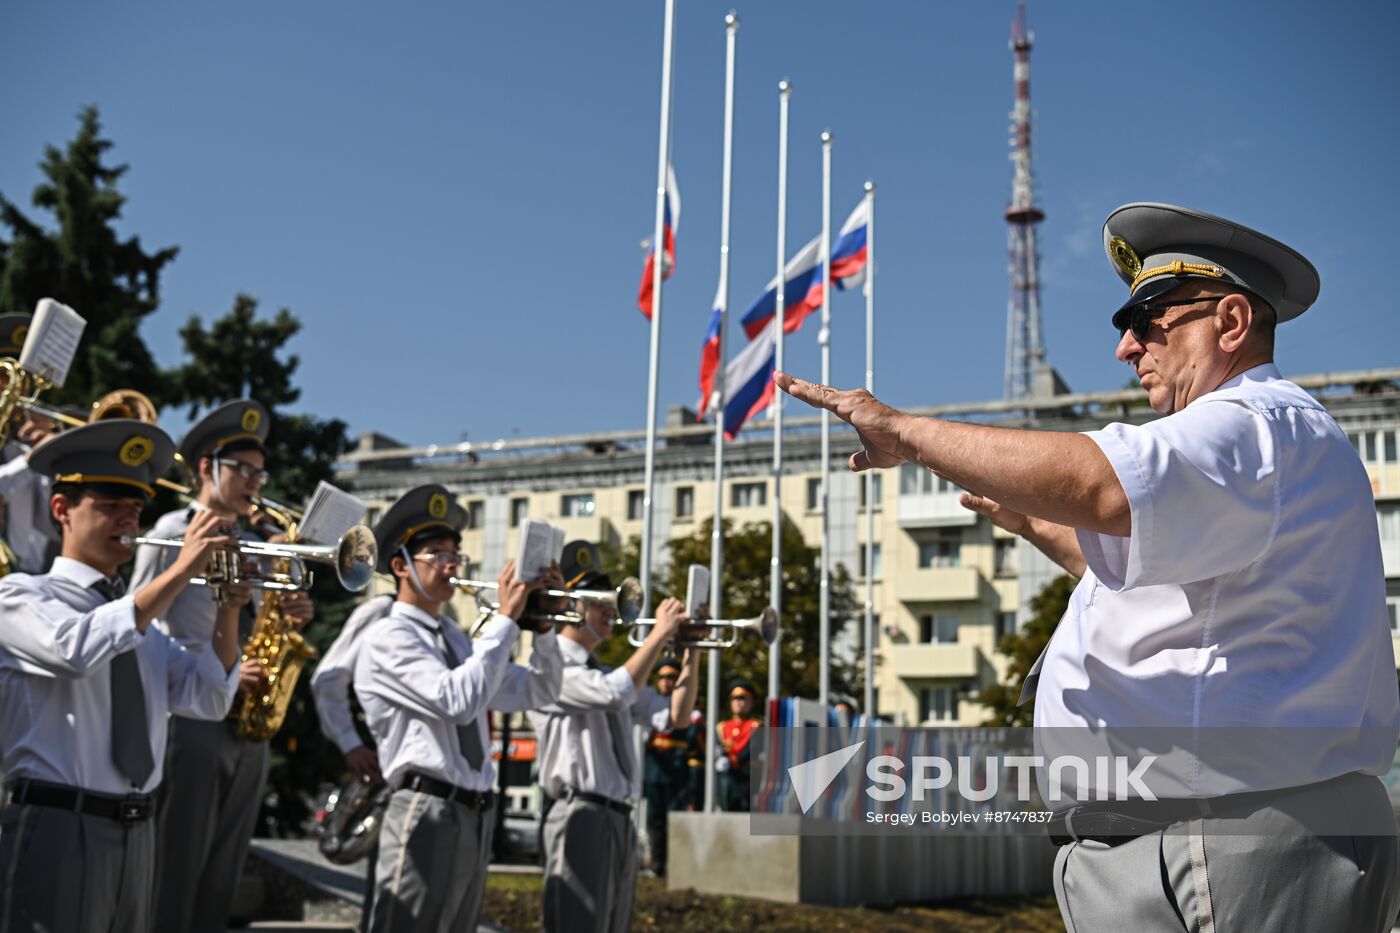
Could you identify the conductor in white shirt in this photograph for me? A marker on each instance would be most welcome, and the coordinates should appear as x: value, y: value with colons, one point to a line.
x: 1231, y: 591
x: 426, y: 688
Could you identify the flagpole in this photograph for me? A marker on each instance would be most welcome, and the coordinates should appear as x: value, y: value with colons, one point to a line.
x: 658, y: 245
x: 779, y: 321
x: 869, y: 707
x: 731, y: 26
x: 824, y: 616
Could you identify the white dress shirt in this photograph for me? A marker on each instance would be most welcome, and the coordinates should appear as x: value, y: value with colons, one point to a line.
x: 575, y: 740
x: 57, y: 641
x: 414, y: 702
x: 1249, y: 594
x: 336, y: 673
x: 28, y: 528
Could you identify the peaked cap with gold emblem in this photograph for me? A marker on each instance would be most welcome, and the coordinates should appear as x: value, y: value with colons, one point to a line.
x: 243, y: 422
x: 14, y: 327
x: 423, y: 508
x: 122, y: 455
x: 1156, y: 247
x: 582, y: 566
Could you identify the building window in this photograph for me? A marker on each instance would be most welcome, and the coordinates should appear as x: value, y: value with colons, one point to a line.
x: 476, y: 513
x: 1004, y: 556
x: 1392, y: 606
x: 938, y: 704
x: 519, y: 511
x: 1006, y: 624
x: 635, y: 504
x: 1390, y: 437
x: 938, y: 630
x: 685, y: 502
x: 814, y: 495
x: 944, y: 552
x: 748, y: 495
x: 579, y: 505
x: 1388, y: 518
x: 914, y: 480
x: 877, y: 484
x: 879, y: 568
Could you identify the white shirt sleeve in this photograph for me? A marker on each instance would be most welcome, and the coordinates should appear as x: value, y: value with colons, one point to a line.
x: 330, y: 684
x: 406, y: 672
x: 199, y: 687
x: 526, y: 687
x: 48, y: 636
x: 582, y: 689
x: 652, y: 709
x: 1203, y: 491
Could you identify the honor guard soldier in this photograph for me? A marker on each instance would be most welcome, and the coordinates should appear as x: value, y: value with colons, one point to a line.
x: 589, y: 766
x: 425, y: 688
x: 734, y: 735
x: 210, y: 801
x: 86, y: 683
x: 1232, y: 591
x: 667, y: 782
x: 24, y: 493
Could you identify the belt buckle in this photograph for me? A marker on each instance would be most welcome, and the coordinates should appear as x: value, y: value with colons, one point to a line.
x: 132, y: 811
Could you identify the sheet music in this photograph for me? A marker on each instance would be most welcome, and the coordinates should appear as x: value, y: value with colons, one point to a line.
x: 52, y: 341
x: 697, y: 592
x: 330, y: 513
x: 540, y: 545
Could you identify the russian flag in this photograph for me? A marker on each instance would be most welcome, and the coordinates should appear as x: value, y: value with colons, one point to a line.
x: 709, y: 354
x: 849, y: 253
x: 670, y: 224
x: 748, y: 382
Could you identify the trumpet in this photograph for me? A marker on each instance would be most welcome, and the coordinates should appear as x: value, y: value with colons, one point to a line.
x: 353, y: 558
x: 706, y: 633
x: 626, y: 600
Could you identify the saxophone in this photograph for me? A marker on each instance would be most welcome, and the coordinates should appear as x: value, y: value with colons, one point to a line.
x: 278, y: 647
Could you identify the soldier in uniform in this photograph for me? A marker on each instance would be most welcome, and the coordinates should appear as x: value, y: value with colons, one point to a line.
x: 589, y: 766
x: 209, y: 804
x: 86, y: 683
x: 426, y: 688
x: 734, y: 734
x: 24, y: 493
x: 668, y: 782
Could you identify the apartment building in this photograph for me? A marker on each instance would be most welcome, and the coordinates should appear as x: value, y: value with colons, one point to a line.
x: 946, y: 584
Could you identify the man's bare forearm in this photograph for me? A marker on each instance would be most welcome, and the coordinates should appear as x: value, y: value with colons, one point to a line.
x: 1057, y: 542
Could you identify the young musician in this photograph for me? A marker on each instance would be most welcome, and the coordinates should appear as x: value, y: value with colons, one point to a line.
x: 425, y: 688
x: 86, y: 683
x: 589, y: 762
x: 209, y: 805
x: 26, y: 527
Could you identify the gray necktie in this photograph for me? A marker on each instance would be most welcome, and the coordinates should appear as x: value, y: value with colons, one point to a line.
x: 617, y: 731
x: 131, y: 742
x: 468, y: 736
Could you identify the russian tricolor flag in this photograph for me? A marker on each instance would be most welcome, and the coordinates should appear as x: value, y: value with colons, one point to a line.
x: 670, y: 225
x: 748, y: 381
x: 849, y: 253
x: 709, y: 354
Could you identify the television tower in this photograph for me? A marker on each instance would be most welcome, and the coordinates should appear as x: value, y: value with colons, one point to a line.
x: 1025, y: 344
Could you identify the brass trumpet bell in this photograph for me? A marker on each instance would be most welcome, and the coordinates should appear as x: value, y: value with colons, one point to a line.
x: 626, y: 601
x: 712, y: 633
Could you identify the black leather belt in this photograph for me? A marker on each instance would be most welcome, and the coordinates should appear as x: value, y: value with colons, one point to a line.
x: 1115, y: 822
x: 616, y: 806
x: 427, y: 784
x: 130, y: 810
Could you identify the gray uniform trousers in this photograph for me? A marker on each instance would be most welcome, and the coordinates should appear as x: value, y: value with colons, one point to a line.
x: 590, y: 873
x: 65, y: 872
x: 430, y: 873
x: 208, y: 809
x: 1255, y: 871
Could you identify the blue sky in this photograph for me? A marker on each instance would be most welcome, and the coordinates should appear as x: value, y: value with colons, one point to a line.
x: 452, y: 196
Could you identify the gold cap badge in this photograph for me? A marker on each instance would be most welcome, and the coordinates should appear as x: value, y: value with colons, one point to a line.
x: 1124, y: 257
x: 251, y: 419
x: 437, y: 505
x: 136, y: 451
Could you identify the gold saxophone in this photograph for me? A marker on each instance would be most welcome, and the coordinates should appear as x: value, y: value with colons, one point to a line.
x: 278, y: 647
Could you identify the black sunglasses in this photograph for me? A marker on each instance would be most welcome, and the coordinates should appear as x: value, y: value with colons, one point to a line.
x: 1139, y: 319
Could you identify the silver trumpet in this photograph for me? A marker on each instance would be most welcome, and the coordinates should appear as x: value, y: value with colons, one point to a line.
x: 353, y: 558
x: 626, y: 600
x: 711, y: 633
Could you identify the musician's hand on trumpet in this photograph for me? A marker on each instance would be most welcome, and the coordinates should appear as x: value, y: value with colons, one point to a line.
x: 207, y: 532
x: 514, y: 594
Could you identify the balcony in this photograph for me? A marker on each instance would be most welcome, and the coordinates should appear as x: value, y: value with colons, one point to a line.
x: 942, y: 660
x: 1390, y: 557
x: 939, y: 510
x: 938, y: 585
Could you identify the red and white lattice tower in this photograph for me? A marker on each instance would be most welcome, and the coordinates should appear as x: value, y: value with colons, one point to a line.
x: 1025, y: 343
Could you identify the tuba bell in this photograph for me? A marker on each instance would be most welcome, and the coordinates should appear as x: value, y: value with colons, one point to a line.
x: 349, y: 826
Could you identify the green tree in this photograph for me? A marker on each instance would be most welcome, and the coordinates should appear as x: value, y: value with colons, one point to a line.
x: 747, y: 562
x: 112, y: 282
x: 1023, y: 648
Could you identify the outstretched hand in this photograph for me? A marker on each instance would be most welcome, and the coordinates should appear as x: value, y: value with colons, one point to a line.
x: 877, y: 424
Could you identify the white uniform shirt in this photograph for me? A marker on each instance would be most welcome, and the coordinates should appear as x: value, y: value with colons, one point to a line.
x: 575, y: 741
x: 336, y: 673
x: 28, y: 528
x: 414, y: 702
x: 1249, y: 594
x: 57, y: 641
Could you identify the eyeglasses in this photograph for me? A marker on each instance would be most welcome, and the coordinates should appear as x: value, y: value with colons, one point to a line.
x: 442, y: 558
x: 1140, y: 319
x: 246, y: 470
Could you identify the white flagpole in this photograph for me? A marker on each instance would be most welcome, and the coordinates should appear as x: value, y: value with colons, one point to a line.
x: 869, y: 708
x: 824, y: 338
x: 779, y: 321
x: 658, y: 245
x: 731, y: 25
